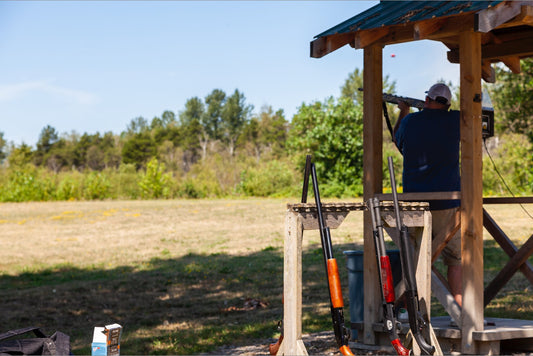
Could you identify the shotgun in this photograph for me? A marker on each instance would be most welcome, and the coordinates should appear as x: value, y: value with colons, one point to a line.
x: 395, y: 99
x: 385, y: 279
x: 416, y: 321
x: 333, y: 279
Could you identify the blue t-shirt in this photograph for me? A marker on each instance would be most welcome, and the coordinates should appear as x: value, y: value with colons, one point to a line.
x: 429, y: 141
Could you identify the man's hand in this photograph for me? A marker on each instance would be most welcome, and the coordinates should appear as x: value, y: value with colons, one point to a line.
x: 404, y: 109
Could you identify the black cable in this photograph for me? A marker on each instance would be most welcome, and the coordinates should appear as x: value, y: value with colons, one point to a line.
x: 499, y: 175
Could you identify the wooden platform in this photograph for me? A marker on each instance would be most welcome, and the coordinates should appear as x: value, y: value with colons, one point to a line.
x: 500, y: 336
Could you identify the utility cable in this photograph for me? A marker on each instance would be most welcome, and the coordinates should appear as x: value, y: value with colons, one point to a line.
x: 503, y: 180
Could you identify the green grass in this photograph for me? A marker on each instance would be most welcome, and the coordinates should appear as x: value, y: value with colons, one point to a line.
x: 182, y: 289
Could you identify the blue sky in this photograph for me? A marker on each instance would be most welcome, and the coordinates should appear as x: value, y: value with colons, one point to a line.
x: 93, y: 66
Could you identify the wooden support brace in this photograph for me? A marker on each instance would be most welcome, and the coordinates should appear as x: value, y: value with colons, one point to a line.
x: 506, y: 244
x: 508, y: 270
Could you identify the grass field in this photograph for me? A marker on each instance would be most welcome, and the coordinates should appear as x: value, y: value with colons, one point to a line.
x: 183, y: 276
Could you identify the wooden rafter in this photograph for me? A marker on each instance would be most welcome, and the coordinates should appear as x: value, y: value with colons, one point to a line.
x: 524, y: 18
x: 488, y: 19
x: 513, y: 63
x: 324, y: 45
x: 366, y: 38
x: 494, y: 51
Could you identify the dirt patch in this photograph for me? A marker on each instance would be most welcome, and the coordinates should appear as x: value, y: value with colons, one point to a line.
x: 322, y: 343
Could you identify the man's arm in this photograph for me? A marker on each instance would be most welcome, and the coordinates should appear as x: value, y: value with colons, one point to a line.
x: 404, y: 111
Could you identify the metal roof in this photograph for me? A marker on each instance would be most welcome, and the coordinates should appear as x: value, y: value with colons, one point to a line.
x: 395, y: 12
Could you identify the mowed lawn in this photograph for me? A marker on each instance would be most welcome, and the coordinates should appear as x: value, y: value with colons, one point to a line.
x: 182, y: 276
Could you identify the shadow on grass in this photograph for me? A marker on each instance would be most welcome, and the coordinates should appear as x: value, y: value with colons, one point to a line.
x: 185, y: 305
x: 198, y: 302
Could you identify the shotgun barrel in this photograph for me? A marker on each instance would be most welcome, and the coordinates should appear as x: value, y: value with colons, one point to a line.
x: 385, y: 278
x: 332, y: 272
x: 416, y: 321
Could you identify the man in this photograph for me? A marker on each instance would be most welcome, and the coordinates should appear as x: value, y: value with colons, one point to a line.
x: 429, y: 142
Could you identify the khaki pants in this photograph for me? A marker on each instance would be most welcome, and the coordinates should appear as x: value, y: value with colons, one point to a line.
x: 444, y: 221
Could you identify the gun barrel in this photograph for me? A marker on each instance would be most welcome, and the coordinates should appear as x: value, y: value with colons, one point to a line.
x: 395, y: 99
x: 332, y: 272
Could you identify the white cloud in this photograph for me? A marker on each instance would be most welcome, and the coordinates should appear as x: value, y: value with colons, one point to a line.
x: 9, y: 92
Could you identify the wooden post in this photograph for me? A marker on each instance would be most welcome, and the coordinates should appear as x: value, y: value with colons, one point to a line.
x: 471, y: 188
x: 292, y: 287
x: 372, y: 178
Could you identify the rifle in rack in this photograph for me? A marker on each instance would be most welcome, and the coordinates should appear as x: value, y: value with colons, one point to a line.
x: 385, y: 279
x: 342, y: 335
x: 416, y: 321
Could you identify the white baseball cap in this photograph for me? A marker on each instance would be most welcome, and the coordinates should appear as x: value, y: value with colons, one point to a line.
x: 440, y: 91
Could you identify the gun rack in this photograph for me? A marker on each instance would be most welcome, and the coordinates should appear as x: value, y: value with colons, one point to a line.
x: 301, y: 217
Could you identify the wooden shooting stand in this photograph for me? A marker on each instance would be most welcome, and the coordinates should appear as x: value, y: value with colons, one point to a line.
x: 475, y: 35
x: 301, y: 217
x: 444, y: 334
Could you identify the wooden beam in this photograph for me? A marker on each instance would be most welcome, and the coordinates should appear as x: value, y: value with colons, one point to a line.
x: 421, y: 196
x: 492, y: 17
x: 471, y: 189
x: 508, y: 200
x: 524, y: 18
x: 497, y: 51
x: 424, y: 29
x: 519, y: 48
x: 327, y: 44
x: 369, y: 37
x: 372, y: 179
x: 513, y: 63
x: 487, y: 72
x: 440, y: 29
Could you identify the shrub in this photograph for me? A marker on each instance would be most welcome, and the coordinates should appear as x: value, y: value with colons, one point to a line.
x: 27, y: 184
x: 274, y: 178
x: 155, y: 183
x: 96, y: 186
x: 69, y: 186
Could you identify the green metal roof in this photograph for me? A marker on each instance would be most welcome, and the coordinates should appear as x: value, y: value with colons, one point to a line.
x: 388, y: 13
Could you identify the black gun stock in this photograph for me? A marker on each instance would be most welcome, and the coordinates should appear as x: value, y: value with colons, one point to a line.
x: 416, y: 321
x: 332, y: 272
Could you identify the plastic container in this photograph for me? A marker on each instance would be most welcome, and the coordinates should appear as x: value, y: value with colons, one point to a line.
x: 354, y: 264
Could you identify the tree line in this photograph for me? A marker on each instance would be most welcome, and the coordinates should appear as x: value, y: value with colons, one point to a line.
x: 218, y: 146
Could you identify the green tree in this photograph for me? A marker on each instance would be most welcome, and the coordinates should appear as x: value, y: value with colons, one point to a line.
x: 350, y: 88
x: 169, y: 118
x: 331, y: 131
x: 212, y: 120
x: 3, y: 145
x: 111, y: 152
x: 193, y: 118
x: 137, y: 125
x: 266, y: 133
x: 47, y: 138
x: 138, y: 149
x: 513, y: 100
x: 20, y: 155
x: 234, y: 116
